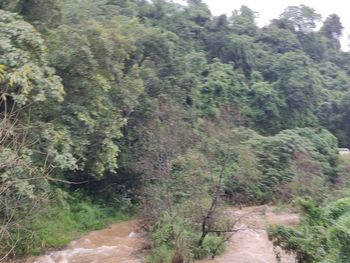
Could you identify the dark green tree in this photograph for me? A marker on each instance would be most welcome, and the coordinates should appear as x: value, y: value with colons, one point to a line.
x: 302, y: 18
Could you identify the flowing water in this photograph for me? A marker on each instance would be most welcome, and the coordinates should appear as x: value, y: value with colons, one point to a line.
x: 122, y: 243
x: 119, y: 243
x: 251, y: 244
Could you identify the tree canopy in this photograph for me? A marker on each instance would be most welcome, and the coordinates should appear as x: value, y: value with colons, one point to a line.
x: 169, y: 108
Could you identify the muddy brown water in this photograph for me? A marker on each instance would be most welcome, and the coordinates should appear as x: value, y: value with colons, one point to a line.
x: 252, y: 245
x: 122, y: 242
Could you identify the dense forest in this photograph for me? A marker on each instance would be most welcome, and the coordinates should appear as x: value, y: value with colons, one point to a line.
x: 111, y: 108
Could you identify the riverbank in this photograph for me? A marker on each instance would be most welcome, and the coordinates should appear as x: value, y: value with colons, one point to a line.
x: 123, y: 243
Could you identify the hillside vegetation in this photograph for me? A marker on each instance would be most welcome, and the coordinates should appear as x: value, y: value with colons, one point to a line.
x: 111, y: 107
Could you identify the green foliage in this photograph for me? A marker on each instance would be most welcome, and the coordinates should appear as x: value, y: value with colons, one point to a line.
x: 303, y: 18
x: 212, y: 245
x: 42, y: 12
x: 281, y: 40
x: 221, y: 86
x: 300, y: 87
x: 292, y: 163
x: 23, y: 53
x: 175, y: 238
x: 99, y: 87
x: 26, y: 80
x: 2, y: 72
x: 332, y: 27
x: 244, y: 183
x: 323, y: 235
x: 243, y: 21
x: 343, y: 167
x: 161, y: 254
x: 176, y: 235
x: 265, y: 105
x: 174, y: 108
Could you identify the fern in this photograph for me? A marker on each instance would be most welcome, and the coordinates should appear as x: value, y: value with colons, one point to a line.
x: 2, y: 72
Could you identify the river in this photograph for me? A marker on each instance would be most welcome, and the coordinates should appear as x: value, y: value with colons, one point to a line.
x: 122, y: 242
x: 118, y: 243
